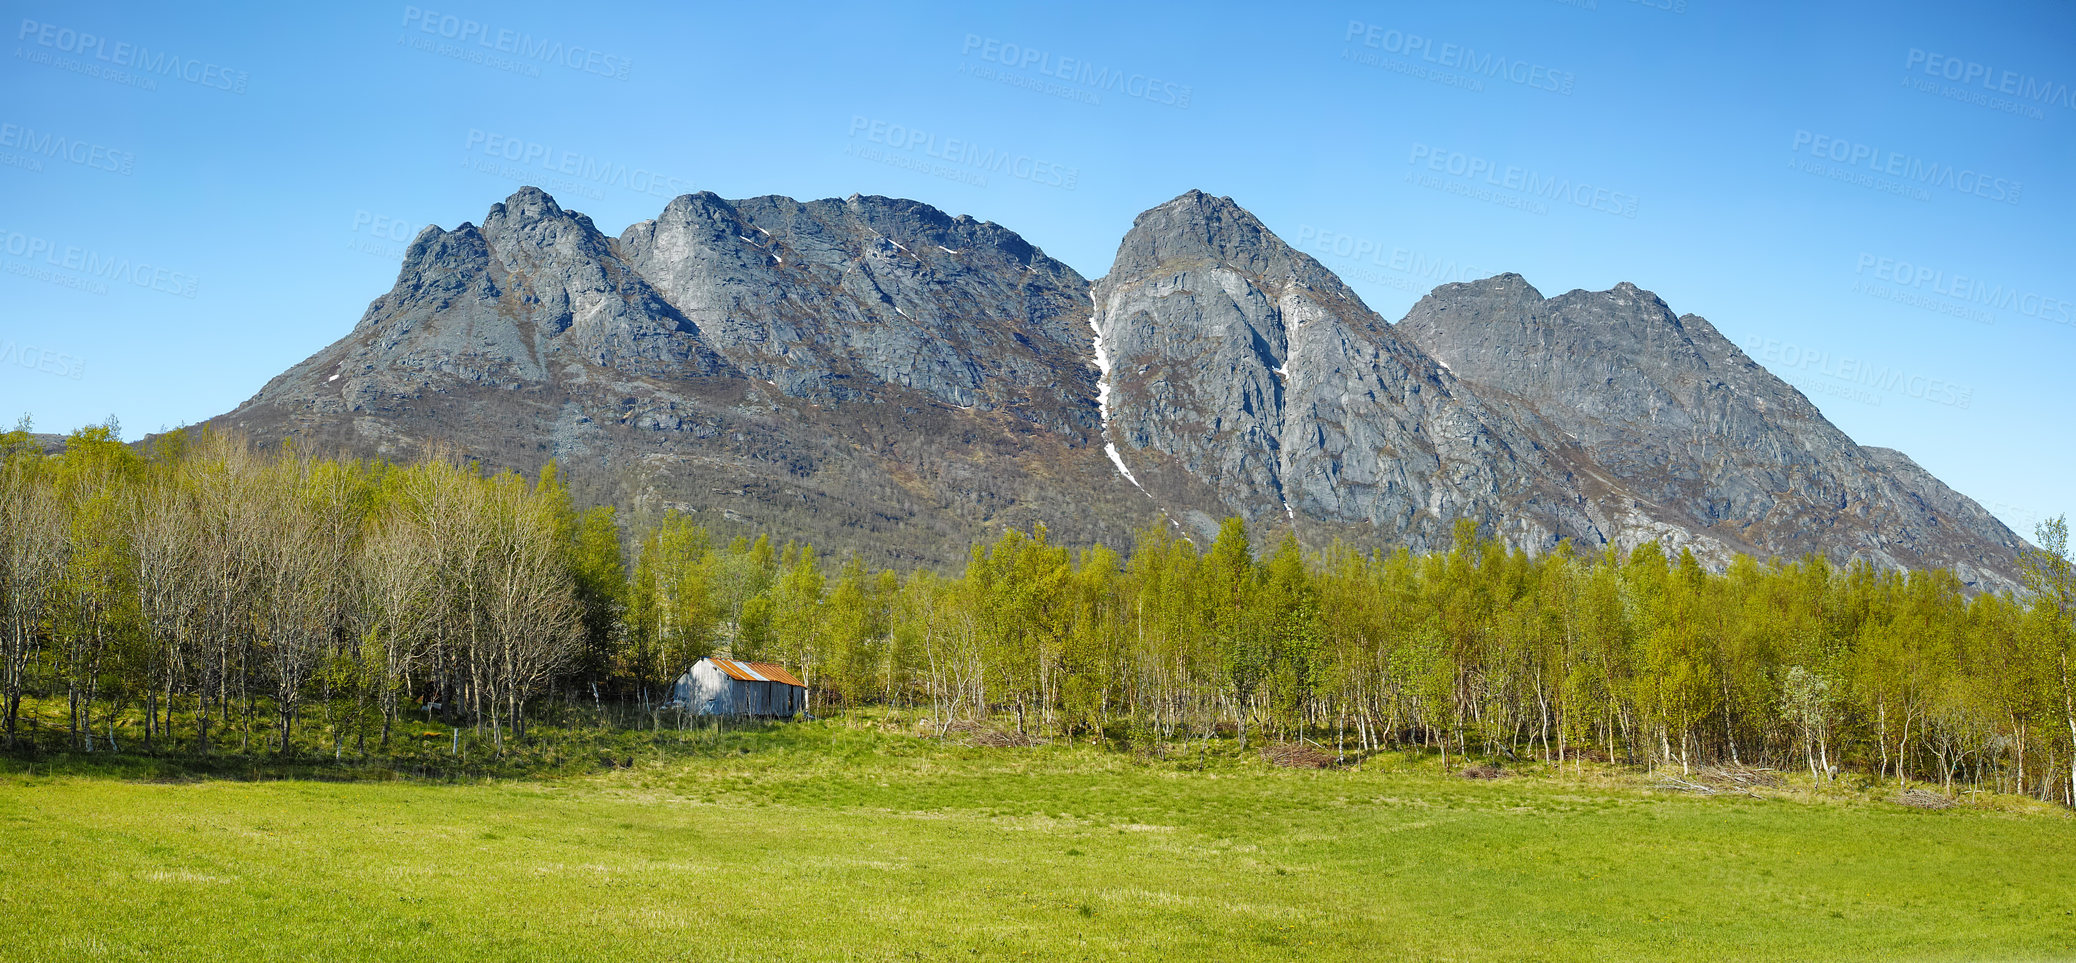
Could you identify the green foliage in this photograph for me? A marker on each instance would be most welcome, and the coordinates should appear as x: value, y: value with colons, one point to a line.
x: 841, y: 840
x: 603, y: 591
x: 211, y: 593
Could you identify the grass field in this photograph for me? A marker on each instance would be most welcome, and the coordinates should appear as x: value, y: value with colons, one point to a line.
x: 819, y: 841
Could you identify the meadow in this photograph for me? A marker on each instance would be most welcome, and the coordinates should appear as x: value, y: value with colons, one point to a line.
x: 836, y: 840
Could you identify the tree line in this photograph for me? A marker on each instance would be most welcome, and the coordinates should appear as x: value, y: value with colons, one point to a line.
x: 202, y: 596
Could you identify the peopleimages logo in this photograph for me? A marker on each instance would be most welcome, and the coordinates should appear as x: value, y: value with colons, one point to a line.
x: 34, y: 146
x: 389, y: 228
x: 576, y: 169
x: 1909, y: 170
x: 1405, y: 270
x: 2010, y: 82
x: 381, y: 236
x: 964, y: 153
x: 1523, y: 181
x: 1963, y: 289
x: 1778, y: 355
x: 42, y: 252
x: 41, y: 359
x: 1075, y: 73
x: 1349, y: 247
x: 122, y: 53
x: 1455, y: 56
x: 487, y: 40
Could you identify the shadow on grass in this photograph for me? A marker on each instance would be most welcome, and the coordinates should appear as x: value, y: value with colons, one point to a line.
x: 423, y: 754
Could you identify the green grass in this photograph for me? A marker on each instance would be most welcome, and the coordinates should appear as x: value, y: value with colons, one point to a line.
x: 818, y: 841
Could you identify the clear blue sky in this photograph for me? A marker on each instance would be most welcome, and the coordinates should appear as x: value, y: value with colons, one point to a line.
x: 1876, y: 202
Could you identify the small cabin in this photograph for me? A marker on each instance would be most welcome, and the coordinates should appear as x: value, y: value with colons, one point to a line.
x: 729, y: 687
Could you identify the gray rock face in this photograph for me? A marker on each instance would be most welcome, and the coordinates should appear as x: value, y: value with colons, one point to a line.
x: 1244, y: 378
x: 875, y: 375
x: 830, y: 299
x: 1699, y: 436
x: 502, y: 306
x: 870, y: 374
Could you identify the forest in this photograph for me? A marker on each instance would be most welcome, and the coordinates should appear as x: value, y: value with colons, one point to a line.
x: 200, y: 596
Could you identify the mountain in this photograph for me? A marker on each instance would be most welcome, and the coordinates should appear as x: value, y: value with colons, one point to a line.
x: 875, y: 375
x: 1692, y: 437
x: 1244, y: 378
x: 868, y: 374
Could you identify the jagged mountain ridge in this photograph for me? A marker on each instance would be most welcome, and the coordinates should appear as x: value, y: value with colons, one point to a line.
x: 771, y: 394
x: 875, y: 375
x: 1699, y: 437
x: 1244, y: 370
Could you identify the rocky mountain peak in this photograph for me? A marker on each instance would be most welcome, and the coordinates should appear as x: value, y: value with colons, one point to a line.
x: 1505, y: 298
x: 1701, y: 439
x: 1246, y: 379
x: 1196, y: 231
x: 1197, y: 227
x: 526, y: 204
x: 876, y: 374
x: 837, y: 300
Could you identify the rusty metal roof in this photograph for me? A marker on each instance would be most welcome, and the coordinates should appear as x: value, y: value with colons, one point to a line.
x: 776, y: 673
x: 734, y: 669
x: 756, y: 671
